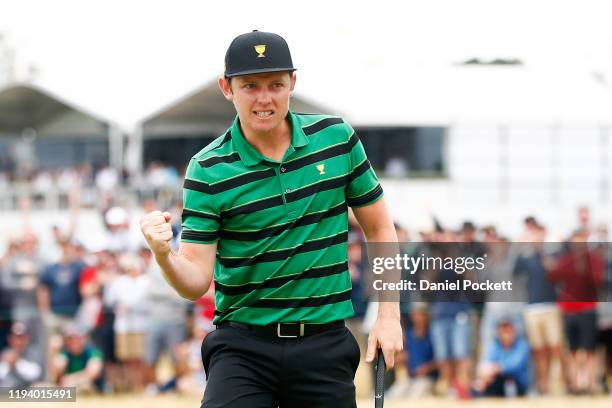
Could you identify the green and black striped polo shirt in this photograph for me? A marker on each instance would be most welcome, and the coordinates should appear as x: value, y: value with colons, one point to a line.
x: 282, y: 226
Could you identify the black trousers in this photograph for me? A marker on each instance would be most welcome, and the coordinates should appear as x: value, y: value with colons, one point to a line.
x: 248, y: 369
x: 498, y: 387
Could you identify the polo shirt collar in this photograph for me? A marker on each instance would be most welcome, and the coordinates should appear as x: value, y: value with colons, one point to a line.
x: 250, y: 156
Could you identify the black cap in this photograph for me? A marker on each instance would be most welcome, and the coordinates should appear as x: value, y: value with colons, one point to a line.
x: 257, y: 52
x: 468, y: 226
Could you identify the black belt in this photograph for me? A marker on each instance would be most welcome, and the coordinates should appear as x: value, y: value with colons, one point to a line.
x: 289, y: 330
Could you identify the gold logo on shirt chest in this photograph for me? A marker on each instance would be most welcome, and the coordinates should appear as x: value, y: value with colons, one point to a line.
x: 321, y: 168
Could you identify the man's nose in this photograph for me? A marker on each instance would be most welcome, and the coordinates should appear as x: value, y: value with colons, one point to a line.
x: 264, y: 96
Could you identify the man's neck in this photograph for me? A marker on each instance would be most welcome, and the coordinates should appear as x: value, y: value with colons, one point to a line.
x: 272, y: 144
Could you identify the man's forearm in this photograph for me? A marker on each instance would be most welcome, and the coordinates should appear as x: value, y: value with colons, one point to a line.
x: 389, y: 308
x: 184, y: 276
x: 42, y: 297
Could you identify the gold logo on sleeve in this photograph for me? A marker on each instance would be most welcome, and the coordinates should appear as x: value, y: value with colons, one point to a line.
x: 321, y: 168
x: 260, y: 49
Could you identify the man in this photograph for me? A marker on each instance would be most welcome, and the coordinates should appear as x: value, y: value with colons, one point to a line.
x: 79, y: 363
x: 505, y: 370
x: 21, y: 277
x: 542, y: 314
x: 58, y: 293
x: 265, y: 207
x: 167, y: 323
x: 579, y: 274
x: 18, y: 368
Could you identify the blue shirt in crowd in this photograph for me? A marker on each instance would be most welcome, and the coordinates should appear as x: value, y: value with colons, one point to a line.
x: 62, y: 280
x: 539, y: 288
x: 514, y: 361
x: 420, y: 351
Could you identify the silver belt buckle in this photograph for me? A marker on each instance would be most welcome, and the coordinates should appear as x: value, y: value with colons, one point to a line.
x: 278, y: 332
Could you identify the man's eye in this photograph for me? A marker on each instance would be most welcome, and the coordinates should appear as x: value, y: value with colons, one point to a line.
x: 249, y: 86
x: 279, y: 85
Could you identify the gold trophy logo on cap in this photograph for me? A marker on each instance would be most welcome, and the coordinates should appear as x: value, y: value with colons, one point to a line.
x: 260, y: 49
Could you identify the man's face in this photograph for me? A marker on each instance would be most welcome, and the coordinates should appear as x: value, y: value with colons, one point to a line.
x: 75, y: 343
x: 506, y: 335
x: 261, y: 100
x: 18, y: 342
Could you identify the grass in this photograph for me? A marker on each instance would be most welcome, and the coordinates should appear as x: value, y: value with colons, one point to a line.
x: 174, y: 401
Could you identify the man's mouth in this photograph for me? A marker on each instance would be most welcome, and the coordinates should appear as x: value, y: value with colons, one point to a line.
x: 263, y: 114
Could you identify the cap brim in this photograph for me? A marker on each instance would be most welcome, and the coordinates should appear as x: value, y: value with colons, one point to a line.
x: 259, y: 71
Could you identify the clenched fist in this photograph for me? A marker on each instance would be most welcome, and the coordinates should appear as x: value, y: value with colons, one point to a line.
x: 156, y: 228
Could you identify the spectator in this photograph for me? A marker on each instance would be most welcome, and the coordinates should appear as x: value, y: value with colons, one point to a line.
x: 451, y: 312
x: 107, y: 180
x: 59, y: 290
x: 204, y: 309
x: 499, y: 268
x: 489, y: 234
x: 542, y: 314
x: 468, y: 244
x: 167, y: 326
x: 59, y: 296
x: 79, y: 363
x: 5, y: 317
x: 579, y: 273
x: 103, y: 336
x: 120, y: 236
x: 584, y: 221
x: 18, y: 368
x: 191, y: 376
x: 604, y: 324
x: 505, y: 371
x: 89, y: 316
x: 451, y: 335
x: 127, y: 294
x: 356, y: 271
x: 422, y: 368
x: 21, y: 276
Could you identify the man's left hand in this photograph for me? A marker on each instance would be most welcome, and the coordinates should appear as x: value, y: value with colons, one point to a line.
x: 387, y: 335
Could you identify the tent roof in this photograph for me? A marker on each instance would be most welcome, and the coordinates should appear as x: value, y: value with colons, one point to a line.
x: 24, y: 105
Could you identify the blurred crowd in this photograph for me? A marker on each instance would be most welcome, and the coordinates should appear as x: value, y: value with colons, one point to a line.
x: 99, y: 315
x: 50, y: 188
x: 555, y: 337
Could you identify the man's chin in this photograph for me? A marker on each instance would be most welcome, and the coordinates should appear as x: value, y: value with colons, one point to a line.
x: 264, y: 127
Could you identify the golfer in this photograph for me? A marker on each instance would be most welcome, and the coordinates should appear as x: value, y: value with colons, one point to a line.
x: 266, y: 216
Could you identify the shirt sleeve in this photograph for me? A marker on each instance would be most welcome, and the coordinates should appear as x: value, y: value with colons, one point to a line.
x: 494, y: 353
x: 517, y: 360
x: 363, y: 187
x: 95, y: 354
x: 45, y: 278
x: 200, y: 220
x: 4, y: 370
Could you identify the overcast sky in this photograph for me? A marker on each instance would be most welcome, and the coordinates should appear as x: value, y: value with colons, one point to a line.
x: 125, y: 59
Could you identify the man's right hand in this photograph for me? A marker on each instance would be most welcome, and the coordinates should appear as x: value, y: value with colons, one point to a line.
x: 10, y: 357
x: 156, y: 228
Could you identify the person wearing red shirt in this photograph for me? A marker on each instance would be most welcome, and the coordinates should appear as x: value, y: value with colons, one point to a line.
x: 578, y: 275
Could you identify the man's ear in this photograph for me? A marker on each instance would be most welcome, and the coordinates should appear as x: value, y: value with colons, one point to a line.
x: 293, y: 79
x: 226, y: 89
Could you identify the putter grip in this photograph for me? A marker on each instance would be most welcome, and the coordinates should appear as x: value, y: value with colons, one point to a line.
x: 379, y: 386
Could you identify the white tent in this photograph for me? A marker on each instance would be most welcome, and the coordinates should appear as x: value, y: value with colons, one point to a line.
x: 38, y: 111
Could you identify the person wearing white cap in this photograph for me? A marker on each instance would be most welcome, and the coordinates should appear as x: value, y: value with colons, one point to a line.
x: 17, y: 368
